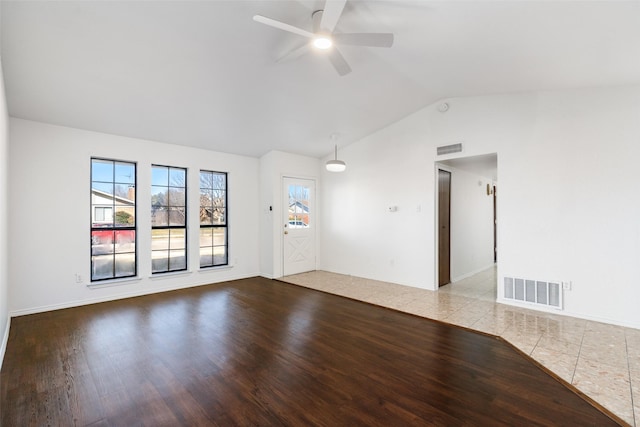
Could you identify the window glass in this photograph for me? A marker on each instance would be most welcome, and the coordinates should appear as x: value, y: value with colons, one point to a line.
x: 168, y: 219
x: 298, y: 206
x: 113, y: 219
x: 213, y: 219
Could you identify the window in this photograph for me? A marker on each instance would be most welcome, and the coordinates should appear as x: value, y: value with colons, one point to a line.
x: 168, y: 219
x: 103, y: 214
x: 113, y: 219
x: 298, y: 206
x: 213, y: 219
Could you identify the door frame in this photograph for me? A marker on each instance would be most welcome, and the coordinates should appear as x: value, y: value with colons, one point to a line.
x: 496, y: 211
x: 279, y: 225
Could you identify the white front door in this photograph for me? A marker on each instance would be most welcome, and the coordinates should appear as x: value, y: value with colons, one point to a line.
x: 298, y: 226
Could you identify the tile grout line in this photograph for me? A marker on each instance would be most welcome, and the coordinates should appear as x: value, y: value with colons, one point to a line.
x: 633, y: 408
x: 575, y: 368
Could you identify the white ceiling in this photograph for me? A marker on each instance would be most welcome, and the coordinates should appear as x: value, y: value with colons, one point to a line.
x: 203, y: 74
x: 485, y: 165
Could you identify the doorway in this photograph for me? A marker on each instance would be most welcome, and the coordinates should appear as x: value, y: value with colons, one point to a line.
x: 299, y: 243
x: 466, y: 220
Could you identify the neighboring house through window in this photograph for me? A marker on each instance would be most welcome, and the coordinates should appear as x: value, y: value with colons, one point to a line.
x: 168, y: 219
x: 213, y: 219
x: 113, y: 219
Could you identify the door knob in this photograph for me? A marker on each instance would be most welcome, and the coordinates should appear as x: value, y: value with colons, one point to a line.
x: 286, y: 232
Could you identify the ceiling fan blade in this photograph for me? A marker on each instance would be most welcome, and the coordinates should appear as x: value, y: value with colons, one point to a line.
x: 282, y: 26
x: 294, y: 53
x: 332, y: 11
x: 338, y: 62
x: 364, y: 39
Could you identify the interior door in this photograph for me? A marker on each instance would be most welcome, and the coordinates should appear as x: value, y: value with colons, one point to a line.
x: 444, y: 227
x: 299, y: 229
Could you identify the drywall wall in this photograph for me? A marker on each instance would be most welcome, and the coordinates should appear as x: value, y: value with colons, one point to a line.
x: 4, y: 198
x: 273, y: 167
x: 49, y: 215
x: 568, y: 205
x: 471, y: 224
x: 360, y: 235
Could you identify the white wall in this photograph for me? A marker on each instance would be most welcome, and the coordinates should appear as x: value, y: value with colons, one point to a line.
x: 568, y: 206
x: 359, y: 235
x: 49, y: 216
x: 4, y: 199
x: 471, y: 224
x: 273, y: 167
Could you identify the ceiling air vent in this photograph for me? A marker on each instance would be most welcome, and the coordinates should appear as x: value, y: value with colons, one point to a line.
x: 448, y: 149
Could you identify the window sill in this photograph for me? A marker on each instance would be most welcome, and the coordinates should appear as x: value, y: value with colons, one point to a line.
x: 214, y: 269
x: 170, y: 274
x: 113, y: 282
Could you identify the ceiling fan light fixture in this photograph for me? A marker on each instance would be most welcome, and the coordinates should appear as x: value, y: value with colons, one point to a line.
x: 322, y: 42
x: 336, y: 165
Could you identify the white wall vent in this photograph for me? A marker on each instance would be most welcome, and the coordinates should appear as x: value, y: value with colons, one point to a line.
x: 448, y: 149
x: 548, y: 294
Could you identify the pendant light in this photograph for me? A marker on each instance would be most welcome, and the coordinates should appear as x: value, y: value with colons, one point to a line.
x: 336, y: 165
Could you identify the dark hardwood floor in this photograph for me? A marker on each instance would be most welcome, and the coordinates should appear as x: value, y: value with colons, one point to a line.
x: 258, y: 352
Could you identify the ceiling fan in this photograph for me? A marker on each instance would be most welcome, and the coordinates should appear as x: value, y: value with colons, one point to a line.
x: 323, y: 38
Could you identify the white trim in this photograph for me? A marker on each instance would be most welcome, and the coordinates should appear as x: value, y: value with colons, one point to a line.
x: 215, y: 268
x: 533, y: 307
x: 112, y: 282
x: 5, y: 340
x: 149, y: 291
x: 169, y: 274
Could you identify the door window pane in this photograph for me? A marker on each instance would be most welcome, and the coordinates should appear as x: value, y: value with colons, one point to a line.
x: 298, y: 206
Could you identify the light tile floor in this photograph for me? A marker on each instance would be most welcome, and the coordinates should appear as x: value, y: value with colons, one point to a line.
x: 601, y: 360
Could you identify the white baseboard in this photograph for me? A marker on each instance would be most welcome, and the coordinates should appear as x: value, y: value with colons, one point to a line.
x: 149, y: 291
x: 472, y: 273
x: 533, y: 307
x: 5, y: 340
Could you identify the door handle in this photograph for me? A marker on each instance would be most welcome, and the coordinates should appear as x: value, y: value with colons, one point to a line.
x: 286, y: 232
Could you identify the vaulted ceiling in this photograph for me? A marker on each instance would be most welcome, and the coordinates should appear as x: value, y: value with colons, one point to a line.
x: 204, y: 74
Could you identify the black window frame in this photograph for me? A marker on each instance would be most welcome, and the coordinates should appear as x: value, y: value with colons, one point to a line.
x: 212, y: 226
x: 98, y: 235
x: 170, y: 227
